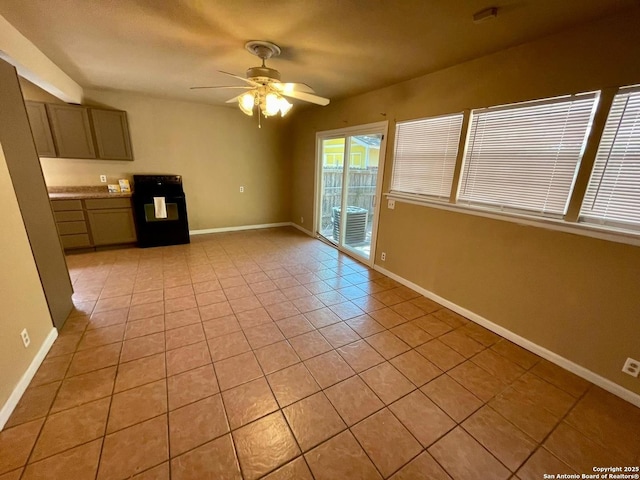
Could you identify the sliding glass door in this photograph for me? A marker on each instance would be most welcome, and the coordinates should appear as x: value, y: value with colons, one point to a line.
x: 349, y: 173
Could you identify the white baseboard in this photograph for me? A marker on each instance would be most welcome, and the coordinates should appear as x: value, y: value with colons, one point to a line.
x: 11, y: 403
x: 553, y: 357
x: 302, y: 229
x: 239, y: 228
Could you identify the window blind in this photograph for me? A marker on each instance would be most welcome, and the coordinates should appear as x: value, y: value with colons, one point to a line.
x: 525, y: 157
x: 425, y: 155
x: 613, y: 194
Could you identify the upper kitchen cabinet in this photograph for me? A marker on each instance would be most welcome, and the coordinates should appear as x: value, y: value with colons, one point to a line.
x: 37, y: 113
x: 71, y: 131
x: 111, y: 133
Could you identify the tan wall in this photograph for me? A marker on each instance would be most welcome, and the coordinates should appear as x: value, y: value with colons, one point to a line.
x: 215, y: 149
x: 21, y: 296
x: 575, y: 295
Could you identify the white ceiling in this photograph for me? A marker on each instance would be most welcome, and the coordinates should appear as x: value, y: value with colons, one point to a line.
x: 339, y: 47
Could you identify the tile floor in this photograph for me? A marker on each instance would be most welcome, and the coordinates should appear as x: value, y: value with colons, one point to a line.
x: 267, y: 354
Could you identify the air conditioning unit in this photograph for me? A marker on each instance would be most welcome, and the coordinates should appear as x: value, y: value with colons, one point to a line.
x: 356, y: 228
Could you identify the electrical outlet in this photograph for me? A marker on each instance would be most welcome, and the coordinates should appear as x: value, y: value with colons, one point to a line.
x: 391, y: 204
x: 103, y: 178
x: 25, y: 338
x: 631, y: 367
x: 301, y: 219
x: 241, y: 189
x: 383, y: 256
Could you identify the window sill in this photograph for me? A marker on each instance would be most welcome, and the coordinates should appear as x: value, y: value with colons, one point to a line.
x: 594, y: 231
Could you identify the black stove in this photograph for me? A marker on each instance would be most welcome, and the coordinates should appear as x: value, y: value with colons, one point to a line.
x: 160, y: 209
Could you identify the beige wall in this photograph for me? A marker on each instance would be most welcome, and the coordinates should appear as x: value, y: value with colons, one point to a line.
x: 21, y: 296
x: 215, y: 149
x: 575, y: 295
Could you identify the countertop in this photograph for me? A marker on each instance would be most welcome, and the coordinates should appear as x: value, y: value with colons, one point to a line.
x: 79, y: 193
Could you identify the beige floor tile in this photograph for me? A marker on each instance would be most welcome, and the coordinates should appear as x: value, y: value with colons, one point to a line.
x: 353, y: 400
x: 307, y: 304
x: 249, y: 402
x: 51, y: 370
x: 295, y: 470
x: 368, y: 304
x: 360, y: 355
x: 387, y: 344
x: 276, y: 357
x: 183, y: 336
x: 480, y: 334
x: 329, y: 368
x: 341, y: 457
x: 561, y: 378
x: 221, y: 326
x: 85, y: 388
x: 215, y: 310
x: 179, y: 304
x: 181, y: 318
x: 387, y: 382
x: 422, y: 417
x: 292, y: 384
x: 137, y: 405
x: 141, y: 371
x: 339, y: 334
x: 516, y: 354
x: 101, y: 336
x: 498, y: 366
x: 146, y: 326
x: 263, y: 335
x: 228, y: 345
x: 415, y: 367
x: 423, y: 467
x: 387, y: 317
x: 197, y: 463
x: 278, y: 311
x: 365, y: 325
x: 542, y: 393
x: 70, y: 428
x: 264, y: 445
x: 16, y: 444
x: 187, y: 358
x: 505, y: 441
x: 146, y: 310
x: 105, y: 319
x: 313, y: 420
x: 94, y: 359
x: 453, y: 398
x: 408, y: 310
x: 142, y: 347
x: 252, y: 318
x: 237, y: 370
x: 322, y: 317
x: 479, y: 382
x: 195, y: 424
x: 80, y: 463
x: 411, y: 334
x: 161, y: 472
x: 432, y: 325
x: 465, y: 459
x: 309, y: 344
x: 541, y: 463
x: 134, y: 449
x: 35, y: 403
x: 346, y: 310
x: 450, y: 317
x: 191, y: 386
x: 294, y: 326
x: 387, y: 442
x: 464, y: 345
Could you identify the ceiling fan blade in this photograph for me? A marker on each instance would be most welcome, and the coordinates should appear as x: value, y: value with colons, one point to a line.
x: 233, y: 100
x: 307, y: 97
x: 222, y: 86
x: 250, y: 82
x: 290, y: 87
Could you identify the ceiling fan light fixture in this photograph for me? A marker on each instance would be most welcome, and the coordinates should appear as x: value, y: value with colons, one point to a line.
x: 271, y: 104
x: 246, y: 102
x: 285, y: 106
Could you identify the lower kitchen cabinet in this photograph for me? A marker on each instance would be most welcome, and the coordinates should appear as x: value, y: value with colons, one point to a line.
x: 112, y: 226
x: 95, y: 222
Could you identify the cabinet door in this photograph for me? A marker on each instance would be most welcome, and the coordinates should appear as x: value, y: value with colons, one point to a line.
x: 111, y: 132
x: 71, y: 131
x: 111, y: 227
x: 40, y: 129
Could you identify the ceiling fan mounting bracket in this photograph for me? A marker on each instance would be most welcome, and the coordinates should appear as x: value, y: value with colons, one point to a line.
x: 262, y: 49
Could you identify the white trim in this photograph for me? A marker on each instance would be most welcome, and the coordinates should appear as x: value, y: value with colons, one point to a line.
x: 590, y: 230
x: 238, y: 228
x: 565, y: 363
x: 11, y: 403
x: 302, y: 229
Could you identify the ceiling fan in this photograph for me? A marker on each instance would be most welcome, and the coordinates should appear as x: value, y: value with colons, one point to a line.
x: 265, y: 91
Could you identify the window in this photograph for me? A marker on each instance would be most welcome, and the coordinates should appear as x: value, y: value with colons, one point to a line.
x: 613, y: 194
x: 524, y: 157
x: 425, y: 156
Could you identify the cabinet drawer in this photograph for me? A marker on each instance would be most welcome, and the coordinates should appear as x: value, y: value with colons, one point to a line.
x: 75, y: 241
x: 66, y: 228
x: 69, y: 216
x: 104, y: 203
x: 62, y: 205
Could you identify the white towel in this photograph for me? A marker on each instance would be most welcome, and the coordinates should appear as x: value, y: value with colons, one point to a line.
x: 160, y: 207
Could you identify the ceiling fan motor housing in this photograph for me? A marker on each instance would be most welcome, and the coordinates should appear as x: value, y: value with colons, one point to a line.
x: 258, y: 74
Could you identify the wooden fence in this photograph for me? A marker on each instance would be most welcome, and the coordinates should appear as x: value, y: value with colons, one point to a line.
x: 362, y: 191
